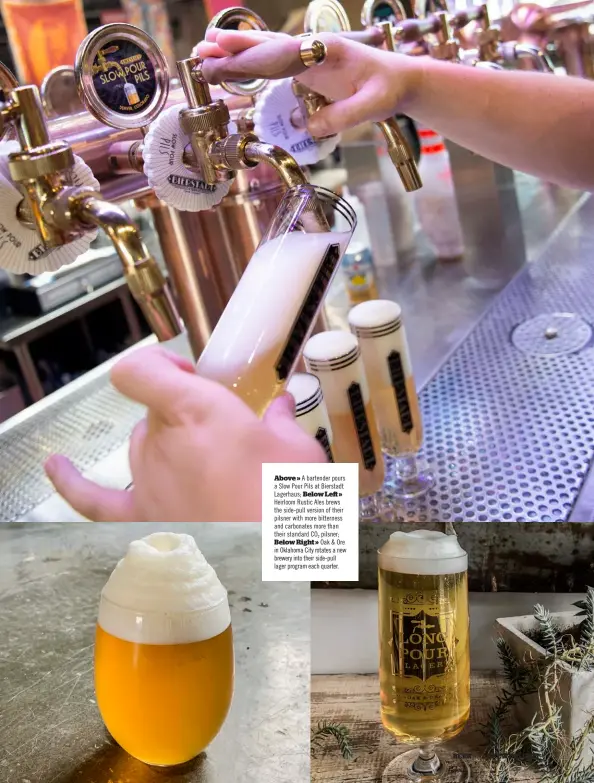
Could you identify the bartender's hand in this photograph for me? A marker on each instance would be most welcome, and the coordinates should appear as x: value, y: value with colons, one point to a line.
x: 198, y: 454
x: 366, y: 84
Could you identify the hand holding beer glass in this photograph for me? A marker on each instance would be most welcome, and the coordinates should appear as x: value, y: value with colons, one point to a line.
x: 164, y: 665
x: 424, y: 653
x: 257, y: 341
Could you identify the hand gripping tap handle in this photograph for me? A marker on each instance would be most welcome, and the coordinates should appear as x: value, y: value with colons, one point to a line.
x: 293, y: 56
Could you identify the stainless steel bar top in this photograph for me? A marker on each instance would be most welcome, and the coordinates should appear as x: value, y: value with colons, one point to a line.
x: 50, y: 729
x: 508, y: 414
x: 88, y: 421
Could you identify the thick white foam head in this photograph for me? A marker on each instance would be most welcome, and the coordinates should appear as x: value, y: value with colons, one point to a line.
x: 164, y: 592
x: 303, y: 386
x: 376, y: 312
x: 325, y: 346
x: 423, y: 552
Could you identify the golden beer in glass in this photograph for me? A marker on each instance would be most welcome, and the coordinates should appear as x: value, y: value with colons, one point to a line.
x: 164, y: 664
x: 424, y: 651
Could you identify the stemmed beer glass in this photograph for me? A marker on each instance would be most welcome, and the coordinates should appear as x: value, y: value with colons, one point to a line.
x: 424, y: 653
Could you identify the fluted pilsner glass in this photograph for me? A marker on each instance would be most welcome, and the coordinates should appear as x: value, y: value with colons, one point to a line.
x: 334, y: 357
x: 384, y: 349
x: 164, y: 665
x: 424, y: 654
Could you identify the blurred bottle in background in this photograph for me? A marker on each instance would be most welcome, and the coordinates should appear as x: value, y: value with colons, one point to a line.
x: 357, y: 270
x: 435, y: 202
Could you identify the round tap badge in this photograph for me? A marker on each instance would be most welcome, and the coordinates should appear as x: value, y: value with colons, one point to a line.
x: 124, y: 77
x: 377, y: 11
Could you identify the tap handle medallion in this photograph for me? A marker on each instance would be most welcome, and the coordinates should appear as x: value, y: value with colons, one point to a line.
x: 122, y: 76
x: 240, y: 19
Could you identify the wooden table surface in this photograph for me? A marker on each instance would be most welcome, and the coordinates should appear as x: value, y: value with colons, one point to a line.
x: 353, y: 700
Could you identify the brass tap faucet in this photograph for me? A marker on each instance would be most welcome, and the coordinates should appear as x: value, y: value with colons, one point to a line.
x: 62, y: 212
x: 217, y: 154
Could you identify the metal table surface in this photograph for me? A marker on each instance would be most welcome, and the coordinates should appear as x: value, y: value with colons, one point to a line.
x: 50, y: 728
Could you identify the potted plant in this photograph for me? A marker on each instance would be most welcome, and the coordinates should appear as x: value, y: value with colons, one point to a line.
x: 548, y: 661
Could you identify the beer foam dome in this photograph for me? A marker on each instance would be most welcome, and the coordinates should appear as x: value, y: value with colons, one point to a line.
x: 423, y: 552
x: 374, y: 313
x: 332, y: 344
x: 164, y: 592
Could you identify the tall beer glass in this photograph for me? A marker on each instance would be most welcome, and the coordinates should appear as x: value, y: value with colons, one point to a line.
x: 384, y: 350
x: 424, y: 653
x: 334, y: 357
x: 258, y: 339
x: 164, y: 664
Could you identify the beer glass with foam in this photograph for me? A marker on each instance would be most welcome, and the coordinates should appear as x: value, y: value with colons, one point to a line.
x: 164, y: 664
x: 310, y: 409
x: 256, y: 344
x: 334, y: 358
x: 424, y: 653
x: 386, y: 358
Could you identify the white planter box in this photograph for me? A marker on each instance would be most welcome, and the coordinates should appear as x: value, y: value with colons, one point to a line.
x: 575, y: 692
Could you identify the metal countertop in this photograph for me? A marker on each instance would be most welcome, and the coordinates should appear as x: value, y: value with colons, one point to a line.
x: 50, y: 729
x: 449, y: 320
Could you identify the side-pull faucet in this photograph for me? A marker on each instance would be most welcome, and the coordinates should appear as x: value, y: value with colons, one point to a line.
x: 217, y: 154
x: 61, y: 212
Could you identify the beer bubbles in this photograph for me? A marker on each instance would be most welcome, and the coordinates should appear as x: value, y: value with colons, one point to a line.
x: 164, y: 665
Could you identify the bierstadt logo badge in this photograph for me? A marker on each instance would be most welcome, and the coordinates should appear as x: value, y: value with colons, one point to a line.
x: 39, y: 251
x: 189, y: 184
x: 124, y: 77
x: 421, y: 644
x: 399, y: 385
x: 362, y: 426
x: 308, y: 312
x: 300, y: 146
x: 322, y: 438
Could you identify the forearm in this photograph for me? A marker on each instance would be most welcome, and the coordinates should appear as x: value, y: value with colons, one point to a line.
x: 537, y: 123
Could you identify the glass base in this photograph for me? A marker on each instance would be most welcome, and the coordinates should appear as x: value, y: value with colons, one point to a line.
x: 408, y: 476
x: 410, y: 767
x: 377, y: 508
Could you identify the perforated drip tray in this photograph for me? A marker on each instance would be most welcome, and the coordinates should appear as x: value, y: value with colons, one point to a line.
x: 509, y: 423
x: 552, y: 334
x: 87, y: 425
x: 509, y: 426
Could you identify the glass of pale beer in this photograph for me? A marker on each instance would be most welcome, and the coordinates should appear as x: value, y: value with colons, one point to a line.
x: 334, y: 357
x: 257, y: 341
x: 384, y: 349
x: 164, y: 664
x: 424, y: 653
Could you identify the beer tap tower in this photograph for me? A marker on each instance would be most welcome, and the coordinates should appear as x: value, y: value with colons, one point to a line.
x: 53, y: 208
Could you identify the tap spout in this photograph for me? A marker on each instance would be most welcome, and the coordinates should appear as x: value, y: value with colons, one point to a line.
x: 401, y: 155
x: 146, y: 282
x: 538, y: 57
x: 286, y: 165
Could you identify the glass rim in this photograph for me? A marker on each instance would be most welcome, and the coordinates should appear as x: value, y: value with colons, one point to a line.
x: 416, y: 557
x: 163, y: 612
x: 340, y: 204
